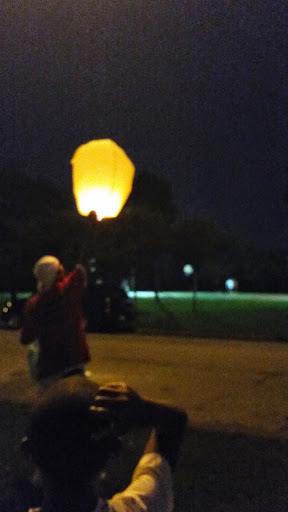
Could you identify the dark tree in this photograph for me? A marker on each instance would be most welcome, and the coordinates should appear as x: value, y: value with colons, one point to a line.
x: 152, y: 193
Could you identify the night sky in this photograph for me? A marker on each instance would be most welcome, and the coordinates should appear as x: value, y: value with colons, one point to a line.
x: 195, y: 91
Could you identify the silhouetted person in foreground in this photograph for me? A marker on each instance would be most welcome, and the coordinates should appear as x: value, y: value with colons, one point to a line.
x: 75, y: 428
x: 53, y: 318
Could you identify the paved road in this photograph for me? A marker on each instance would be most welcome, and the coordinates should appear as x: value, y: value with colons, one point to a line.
x: 225, y: 385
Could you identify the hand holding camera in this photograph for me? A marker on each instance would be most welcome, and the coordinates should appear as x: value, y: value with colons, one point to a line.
x: 128, y: 410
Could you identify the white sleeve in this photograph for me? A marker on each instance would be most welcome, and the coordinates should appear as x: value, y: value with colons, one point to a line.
x: 150, y: 489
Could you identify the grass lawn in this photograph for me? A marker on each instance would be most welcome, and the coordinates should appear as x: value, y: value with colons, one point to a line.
x: 215, y: 314
x: 210, y: 314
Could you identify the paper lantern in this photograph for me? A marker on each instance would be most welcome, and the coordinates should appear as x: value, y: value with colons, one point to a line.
x: 102, y: 178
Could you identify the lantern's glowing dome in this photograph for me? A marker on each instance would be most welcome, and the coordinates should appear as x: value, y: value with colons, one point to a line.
x: 102, y: 178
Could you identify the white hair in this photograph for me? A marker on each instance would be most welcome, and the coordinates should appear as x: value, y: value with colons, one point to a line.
x: 45, y: 270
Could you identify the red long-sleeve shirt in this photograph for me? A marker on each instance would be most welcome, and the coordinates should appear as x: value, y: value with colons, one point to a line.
x: 54, y: 318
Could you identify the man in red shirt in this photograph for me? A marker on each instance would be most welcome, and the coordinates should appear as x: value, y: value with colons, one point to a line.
x: 54, y: 318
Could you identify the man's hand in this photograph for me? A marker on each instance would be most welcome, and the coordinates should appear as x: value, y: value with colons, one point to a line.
x: 123, y: 403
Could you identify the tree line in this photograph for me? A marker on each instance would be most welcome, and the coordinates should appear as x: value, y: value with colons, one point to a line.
x: 148, y: 238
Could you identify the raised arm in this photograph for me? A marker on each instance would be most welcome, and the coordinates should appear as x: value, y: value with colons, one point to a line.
x: 76, y: 281
x: 168, y: 428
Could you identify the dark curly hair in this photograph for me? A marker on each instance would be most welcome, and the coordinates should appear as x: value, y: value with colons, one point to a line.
x: 69, y: 438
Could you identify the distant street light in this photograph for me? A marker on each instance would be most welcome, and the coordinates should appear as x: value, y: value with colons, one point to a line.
x: 231, y: 285
x: 189, y: 270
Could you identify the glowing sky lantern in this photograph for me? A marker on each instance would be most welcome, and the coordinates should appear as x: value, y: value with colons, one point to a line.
x: 102, y: 178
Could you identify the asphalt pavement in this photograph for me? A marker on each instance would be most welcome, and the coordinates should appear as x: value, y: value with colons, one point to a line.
x: 229, y: 386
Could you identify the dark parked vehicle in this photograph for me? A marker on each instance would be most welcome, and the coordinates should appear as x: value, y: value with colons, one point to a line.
x: 106, y: 309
